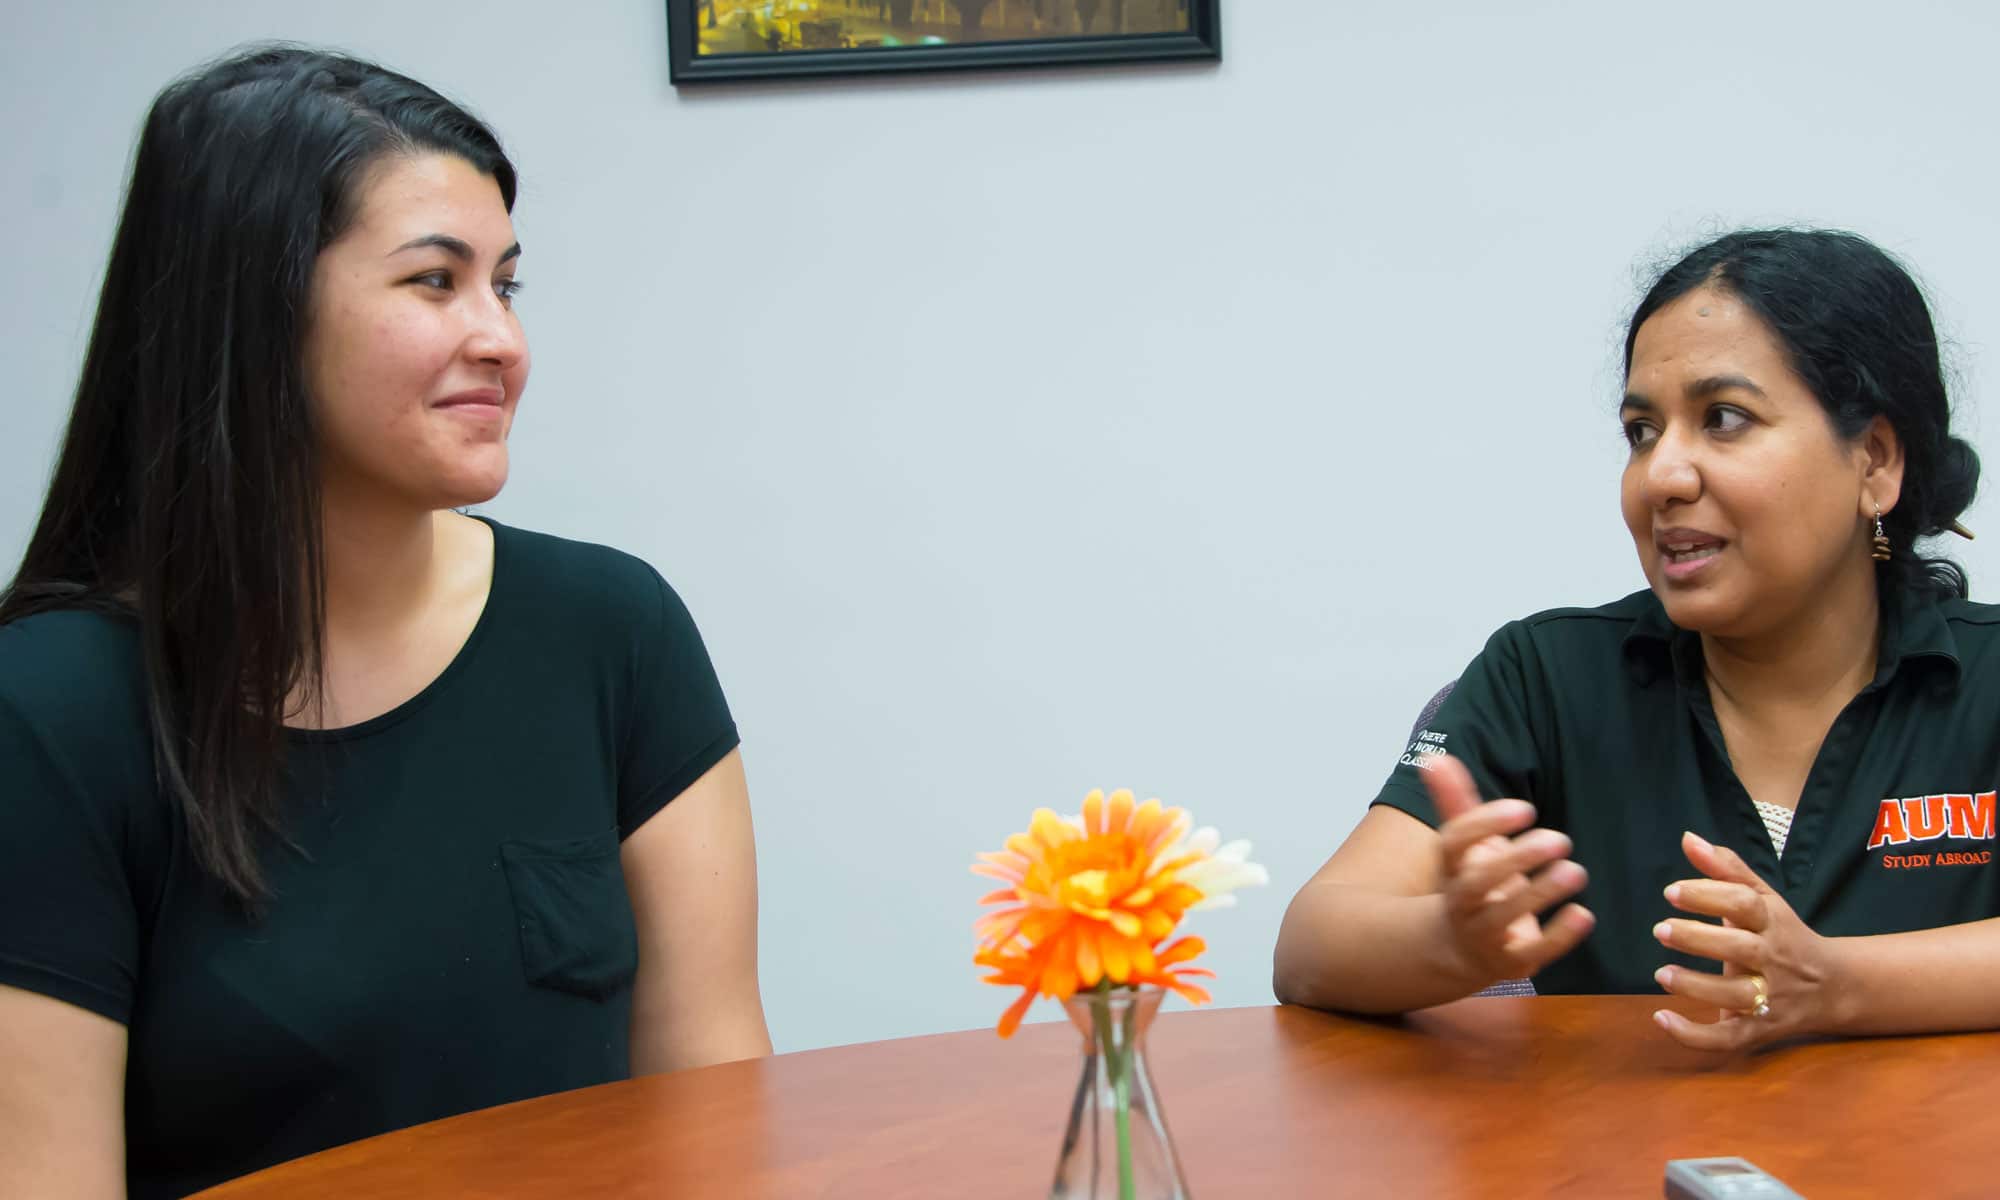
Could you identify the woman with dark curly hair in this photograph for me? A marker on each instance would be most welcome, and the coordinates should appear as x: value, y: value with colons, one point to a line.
x: 1766, y: 783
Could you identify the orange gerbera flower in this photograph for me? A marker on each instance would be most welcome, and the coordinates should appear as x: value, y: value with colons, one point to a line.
x: 1089, y: 901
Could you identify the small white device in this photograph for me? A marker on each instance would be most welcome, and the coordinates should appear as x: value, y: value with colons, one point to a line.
x: 1723, y: 1179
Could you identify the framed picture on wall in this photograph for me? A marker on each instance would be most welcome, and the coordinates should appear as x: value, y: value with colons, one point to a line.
x: 769, y: 39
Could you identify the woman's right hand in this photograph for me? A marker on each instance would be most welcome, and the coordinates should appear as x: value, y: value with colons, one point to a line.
x: 1498, y: 872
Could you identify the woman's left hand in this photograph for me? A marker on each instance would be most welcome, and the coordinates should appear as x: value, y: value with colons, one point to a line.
x: 1760, y: 941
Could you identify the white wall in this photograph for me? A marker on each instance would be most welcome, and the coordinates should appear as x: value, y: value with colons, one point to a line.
x: 1011, y: 435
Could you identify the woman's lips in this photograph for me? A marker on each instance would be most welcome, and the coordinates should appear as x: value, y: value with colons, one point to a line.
x: 474, y: 398
x: 484, y: 405
x: 1686, y: 553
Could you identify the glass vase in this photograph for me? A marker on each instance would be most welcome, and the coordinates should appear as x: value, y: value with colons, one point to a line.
x: 1117, y: 1146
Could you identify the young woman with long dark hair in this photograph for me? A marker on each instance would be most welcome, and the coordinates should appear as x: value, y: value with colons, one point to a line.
x: 329, y: 809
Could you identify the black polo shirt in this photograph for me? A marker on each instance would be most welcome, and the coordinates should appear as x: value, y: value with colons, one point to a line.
x: 1601, y: 718
x: 449, y: 928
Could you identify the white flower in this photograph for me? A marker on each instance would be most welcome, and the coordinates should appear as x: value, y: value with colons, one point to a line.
x: 1221, y: 871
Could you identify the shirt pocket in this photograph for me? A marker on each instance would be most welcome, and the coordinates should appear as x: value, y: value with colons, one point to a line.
x: 577, y: 933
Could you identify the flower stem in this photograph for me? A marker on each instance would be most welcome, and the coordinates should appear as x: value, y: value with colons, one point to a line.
x: 1118, y: 1061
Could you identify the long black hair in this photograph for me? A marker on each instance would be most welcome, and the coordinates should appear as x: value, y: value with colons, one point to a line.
x: 1854, y: 326
x: 187, y: 490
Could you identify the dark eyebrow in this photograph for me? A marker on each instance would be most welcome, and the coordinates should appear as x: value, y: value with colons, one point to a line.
x: 1699, y: 389
x: 1723, y: 383
x: 455, y: 247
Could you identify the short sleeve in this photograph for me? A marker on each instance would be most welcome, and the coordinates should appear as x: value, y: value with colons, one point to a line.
x: 678, y: 725
x: 1489, y: 721
x: 69, y: 926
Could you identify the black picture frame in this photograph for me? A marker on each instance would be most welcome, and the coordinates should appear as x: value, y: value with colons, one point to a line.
x: 1201, y: 41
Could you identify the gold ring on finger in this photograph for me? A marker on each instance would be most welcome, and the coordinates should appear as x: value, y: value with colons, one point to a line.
x: 1760, y: 1002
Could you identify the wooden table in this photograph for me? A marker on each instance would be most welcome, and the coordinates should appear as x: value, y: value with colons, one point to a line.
x: 1551, y: 1096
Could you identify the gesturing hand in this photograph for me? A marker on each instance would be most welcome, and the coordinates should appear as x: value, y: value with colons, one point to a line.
x: 1497, y: 878
x: 1769, y: 957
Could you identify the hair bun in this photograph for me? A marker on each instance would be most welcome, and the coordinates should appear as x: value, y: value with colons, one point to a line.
x: 1954, y: 482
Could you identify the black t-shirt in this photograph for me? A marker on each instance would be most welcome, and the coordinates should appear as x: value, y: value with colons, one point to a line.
x: 452, y: 929
x: 1601, y: 718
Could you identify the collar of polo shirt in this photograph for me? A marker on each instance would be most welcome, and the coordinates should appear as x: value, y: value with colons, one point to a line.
x: 1914, y: 631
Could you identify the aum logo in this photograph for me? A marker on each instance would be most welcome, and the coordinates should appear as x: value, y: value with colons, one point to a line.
x: 1927, y: 818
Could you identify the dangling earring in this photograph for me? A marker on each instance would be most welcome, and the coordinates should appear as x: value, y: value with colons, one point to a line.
x: 1881, y: 538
